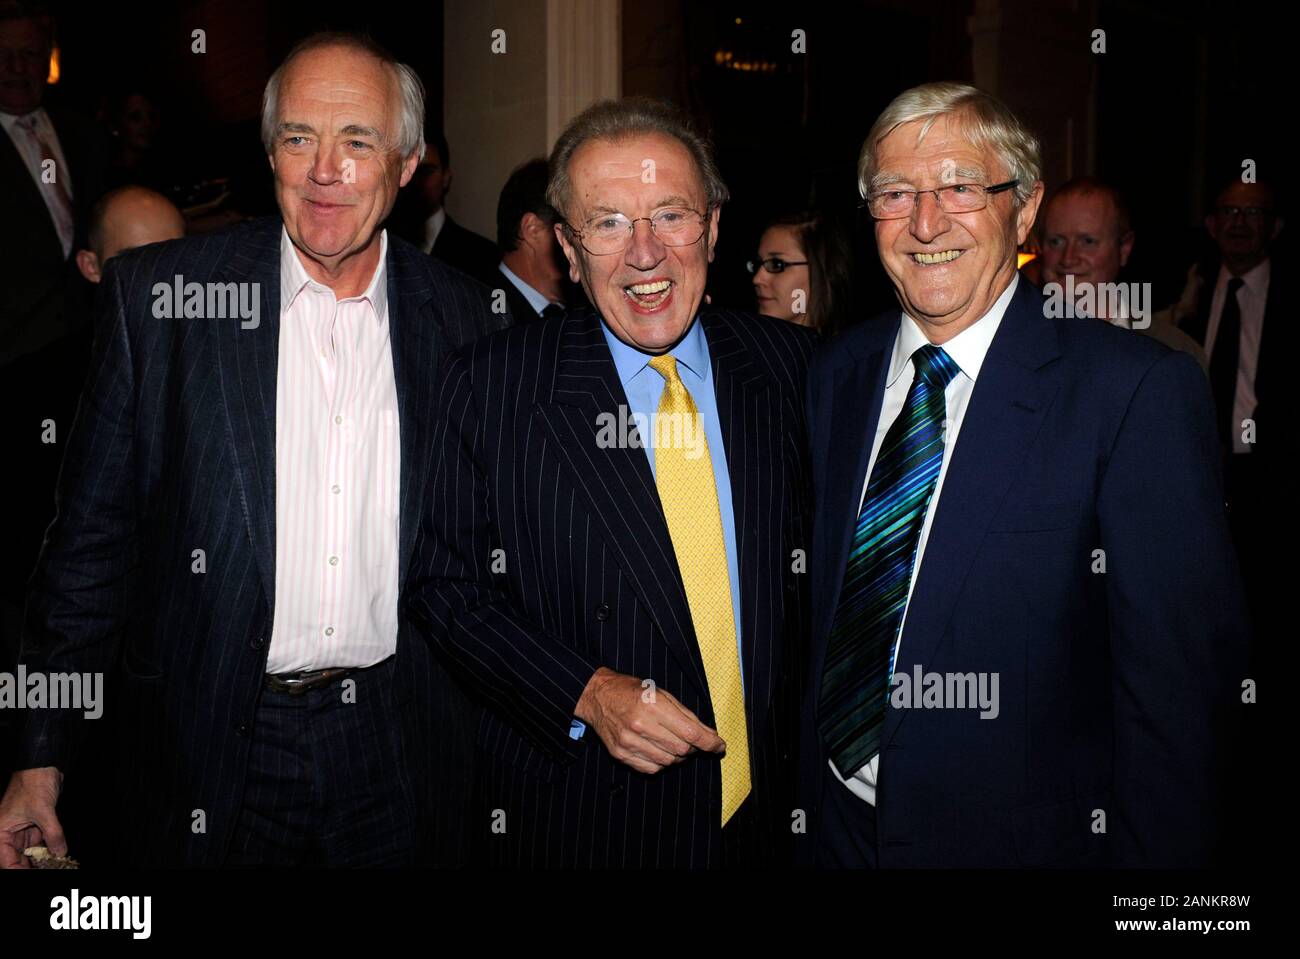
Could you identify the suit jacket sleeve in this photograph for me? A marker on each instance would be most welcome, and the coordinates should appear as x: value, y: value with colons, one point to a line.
x: 1177, y: 617
x: 464, y: 607
x: 77, y: 596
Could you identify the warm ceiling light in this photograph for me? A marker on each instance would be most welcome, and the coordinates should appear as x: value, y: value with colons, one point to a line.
x: 1023, y: 258
x: 53, y: 76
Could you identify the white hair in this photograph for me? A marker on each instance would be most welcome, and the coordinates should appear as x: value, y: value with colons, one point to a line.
x: 410, y: 90
x: 985, y: 120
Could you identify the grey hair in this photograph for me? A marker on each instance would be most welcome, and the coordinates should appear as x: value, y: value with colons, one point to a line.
x: 618, y: 120
x: 986, y: 120
x: 410, y: 133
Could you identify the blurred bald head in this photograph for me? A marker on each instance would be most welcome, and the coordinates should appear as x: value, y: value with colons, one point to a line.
x: 123, y: 219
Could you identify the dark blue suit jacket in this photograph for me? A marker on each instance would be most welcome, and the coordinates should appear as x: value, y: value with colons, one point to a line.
x: 1115, y: 687
x: 546, y: 555
x: 173, y: 450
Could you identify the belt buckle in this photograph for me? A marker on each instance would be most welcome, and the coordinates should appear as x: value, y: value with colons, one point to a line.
x: 301, y: 683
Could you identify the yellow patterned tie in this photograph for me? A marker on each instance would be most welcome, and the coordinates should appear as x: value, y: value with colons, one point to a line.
x: 689, y: 494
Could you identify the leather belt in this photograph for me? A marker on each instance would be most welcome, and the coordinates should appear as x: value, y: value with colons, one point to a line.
x: 295, y: 684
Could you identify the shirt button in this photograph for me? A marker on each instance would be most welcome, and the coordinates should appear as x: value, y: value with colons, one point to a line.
x: 334, y: 560
x: 329, y: 630
x: 338, y: 419
x: 336, y: 488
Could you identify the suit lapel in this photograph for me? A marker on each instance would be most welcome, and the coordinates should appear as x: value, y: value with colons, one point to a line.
x: 616, y: 482
x: 749, y: 412
x: 858, y: 389
x: 1006, y: 410
x: 413, y: 332
x: 247, y: 361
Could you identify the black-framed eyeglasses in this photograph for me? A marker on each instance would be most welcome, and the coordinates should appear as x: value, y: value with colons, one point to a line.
x: 954, y: 198
x: 773, y: 264
x: 612, y: 232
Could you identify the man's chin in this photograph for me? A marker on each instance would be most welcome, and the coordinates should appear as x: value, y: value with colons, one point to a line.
x: 649, y: 333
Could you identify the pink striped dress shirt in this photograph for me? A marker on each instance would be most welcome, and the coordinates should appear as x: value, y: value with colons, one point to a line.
x: 337, y: 468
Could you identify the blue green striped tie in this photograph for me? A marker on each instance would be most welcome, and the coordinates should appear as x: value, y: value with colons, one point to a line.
x: 860, y: 654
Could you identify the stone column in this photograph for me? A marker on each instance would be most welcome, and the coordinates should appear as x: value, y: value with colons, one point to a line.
x: 515, y: 72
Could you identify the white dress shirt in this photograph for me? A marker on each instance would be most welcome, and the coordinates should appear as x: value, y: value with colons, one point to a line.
x: 432, y: 227
x: 1251, y: 300
x: 967, y: 349
x: 337, y: 469
x: 31, y: 155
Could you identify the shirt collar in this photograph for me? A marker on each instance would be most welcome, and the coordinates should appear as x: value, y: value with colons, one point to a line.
x: 433, y: 226
x: 1255, y: 279
x: 967, y: 349
x: 294, y: 278
x: 535, y: 299
x: 691, y: 354
x: 37, y: 116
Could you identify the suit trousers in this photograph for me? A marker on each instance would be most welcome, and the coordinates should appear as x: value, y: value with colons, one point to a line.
x: 326, y: 785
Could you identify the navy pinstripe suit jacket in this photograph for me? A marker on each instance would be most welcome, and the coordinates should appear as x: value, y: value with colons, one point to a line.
x: 586, y: 576
x: 173, y: 450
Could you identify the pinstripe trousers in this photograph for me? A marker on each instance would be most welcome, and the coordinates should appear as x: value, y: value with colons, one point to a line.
x: 327, y: 784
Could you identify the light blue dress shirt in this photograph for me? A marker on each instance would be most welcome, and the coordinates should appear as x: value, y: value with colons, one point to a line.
x: 534, y: 298
x: 644, y: 387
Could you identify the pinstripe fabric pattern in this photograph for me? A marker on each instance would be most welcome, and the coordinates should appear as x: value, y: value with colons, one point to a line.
x: 586, y: 576
x: 172, y: 451
x: 316, y: 752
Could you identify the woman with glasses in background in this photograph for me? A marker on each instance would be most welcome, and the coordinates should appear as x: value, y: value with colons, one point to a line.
x: 802, y: 273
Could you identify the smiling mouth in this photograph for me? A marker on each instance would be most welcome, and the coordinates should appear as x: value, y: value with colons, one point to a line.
x: 649, y: 296
x: 935, y: 259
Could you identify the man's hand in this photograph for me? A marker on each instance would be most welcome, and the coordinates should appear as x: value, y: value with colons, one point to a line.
x: 640, y: 725
x: 27, y: 816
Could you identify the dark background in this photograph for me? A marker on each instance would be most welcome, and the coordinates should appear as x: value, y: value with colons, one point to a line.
x: 1184, y: 92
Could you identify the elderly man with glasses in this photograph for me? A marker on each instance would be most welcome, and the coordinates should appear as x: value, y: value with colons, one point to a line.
x: 613, y: 559
x: 1028, y: 624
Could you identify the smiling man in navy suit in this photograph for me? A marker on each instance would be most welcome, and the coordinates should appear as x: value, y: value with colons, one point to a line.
x: 1028, y: 624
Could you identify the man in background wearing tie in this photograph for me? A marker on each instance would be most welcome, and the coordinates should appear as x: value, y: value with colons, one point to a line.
x: 52, y: 171
x: 1239, y: 306
x: 532, y: 266
x: 1022, y: 506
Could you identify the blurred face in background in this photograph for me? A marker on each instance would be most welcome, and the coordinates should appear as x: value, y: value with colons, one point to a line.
x: 1243, y: 224
x: 337, y: 167
x: 1082, y: 238
x: 137, y: 123
x: 649, y: 293
x: 24, y: 65
x: 431, y: 182
x: 783, y: 294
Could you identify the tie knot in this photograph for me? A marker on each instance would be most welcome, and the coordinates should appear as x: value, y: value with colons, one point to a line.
x: 666, y: 366
x: 934, y: 366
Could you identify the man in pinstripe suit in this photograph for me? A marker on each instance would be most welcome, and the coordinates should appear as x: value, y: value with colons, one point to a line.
x: 238, y: 508
x: 628, y: 613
